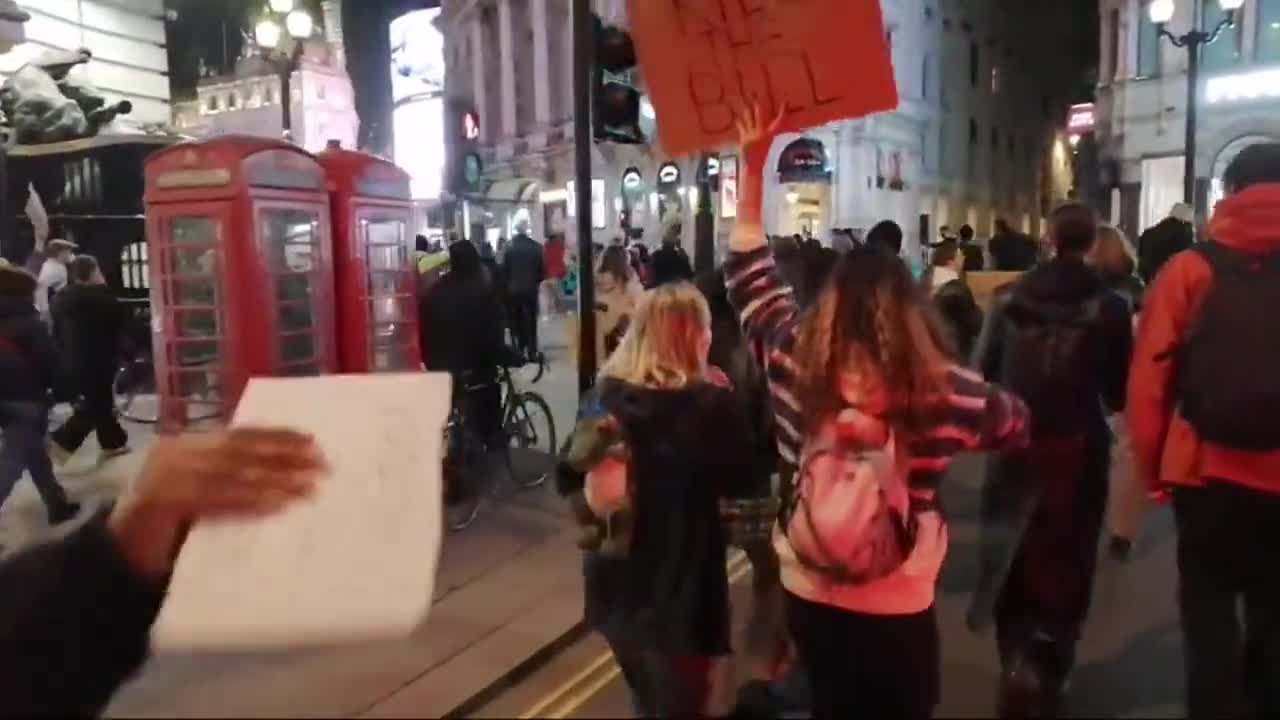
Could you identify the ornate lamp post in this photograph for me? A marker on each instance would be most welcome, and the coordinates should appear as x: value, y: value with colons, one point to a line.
x: 1161, y: 12
x: 282, y: 47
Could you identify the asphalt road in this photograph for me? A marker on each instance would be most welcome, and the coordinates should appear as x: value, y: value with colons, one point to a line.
x: 1129, y: 664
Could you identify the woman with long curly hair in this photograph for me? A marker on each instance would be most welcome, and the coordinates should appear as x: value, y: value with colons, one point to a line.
x: 863, y: 386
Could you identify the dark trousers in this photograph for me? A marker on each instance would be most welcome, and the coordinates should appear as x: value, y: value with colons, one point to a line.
x: 95, y: 413
x: 662, y: 684
x: 523, y: 310
x: 1045, y: 598
x: 23, y: 449
x: 1228, y: 542
x: 872, y: 666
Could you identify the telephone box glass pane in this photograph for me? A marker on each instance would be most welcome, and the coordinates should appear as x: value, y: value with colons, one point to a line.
x: 194, y: 291
x: 194, y: 231
x: 291, y: 246
x: 297, y: 348
x: 294, y: 317
x: 196, y: 323
x: 197, y: 354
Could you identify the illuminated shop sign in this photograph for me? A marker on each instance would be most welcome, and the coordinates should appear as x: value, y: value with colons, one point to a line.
x: 1081, y: 118
x: 1264, y: 84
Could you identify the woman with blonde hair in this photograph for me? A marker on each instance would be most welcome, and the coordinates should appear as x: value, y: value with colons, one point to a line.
x: 1116, y: 261
x: 655, y: 449
x: 870, y: 409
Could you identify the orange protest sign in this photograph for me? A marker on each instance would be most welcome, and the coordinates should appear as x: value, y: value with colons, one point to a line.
x: 815, y: 60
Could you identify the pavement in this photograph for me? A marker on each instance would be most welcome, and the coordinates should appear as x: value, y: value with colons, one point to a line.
x: 508, y: 588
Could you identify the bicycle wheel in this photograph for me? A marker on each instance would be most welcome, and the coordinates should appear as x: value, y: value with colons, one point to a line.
x: 135, y: 392
x: 531, y: 435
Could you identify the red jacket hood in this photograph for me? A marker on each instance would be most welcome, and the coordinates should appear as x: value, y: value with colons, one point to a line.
x: 1249, y: 220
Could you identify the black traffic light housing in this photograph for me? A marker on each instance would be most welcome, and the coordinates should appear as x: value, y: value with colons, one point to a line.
x: 462, y: 138
x: 615, y: 98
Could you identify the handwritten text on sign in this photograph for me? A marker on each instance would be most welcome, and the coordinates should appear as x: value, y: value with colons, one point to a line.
x: 705, y: 60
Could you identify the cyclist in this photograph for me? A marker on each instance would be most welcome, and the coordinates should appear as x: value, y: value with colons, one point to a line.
x: 462, y: 334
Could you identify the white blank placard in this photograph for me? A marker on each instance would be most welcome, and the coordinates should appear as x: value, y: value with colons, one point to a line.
x: 354, y: 563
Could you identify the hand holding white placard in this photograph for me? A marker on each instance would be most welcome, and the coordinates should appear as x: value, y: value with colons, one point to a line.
x: 356, y: 562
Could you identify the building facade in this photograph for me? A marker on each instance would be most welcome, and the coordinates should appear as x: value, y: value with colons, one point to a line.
x: 1142, y: 101
x: 247, y: 101
x: 976, y: 134
x: 127, y: 38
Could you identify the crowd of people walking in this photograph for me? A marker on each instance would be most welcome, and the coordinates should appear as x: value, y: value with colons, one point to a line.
x: 872, y: 380
x: 804, y: 404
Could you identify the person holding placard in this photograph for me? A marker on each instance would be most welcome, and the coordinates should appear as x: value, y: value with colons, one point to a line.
x: 75, y: 613
x: 863, y: 368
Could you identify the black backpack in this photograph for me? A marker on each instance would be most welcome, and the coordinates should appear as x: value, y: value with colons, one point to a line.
x: 1228, y: 386
x: 1047, y: 359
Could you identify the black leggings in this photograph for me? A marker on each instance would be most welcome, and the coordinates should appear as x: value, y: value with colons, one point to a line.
x: 872, y: 666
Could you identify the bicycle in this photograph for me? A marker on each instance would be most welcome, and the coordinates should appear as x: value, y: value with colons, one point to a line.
x: 466, y: 453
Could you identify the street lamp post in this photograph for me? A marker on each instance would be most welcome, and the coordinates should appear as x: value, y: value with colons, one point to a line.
x: 299, y: 25
x: 1161, y: 12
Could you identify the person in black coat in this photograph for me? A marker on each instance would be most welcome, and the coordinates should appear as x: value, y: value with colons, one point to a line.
x: 670, y: 262
x: 523, y: 271
x: 27, y: 375
x: 1011, y: 251
x: 953, y: 298
x: 1165, y: 239
x: 76, y: 612
x: 973, y: 257
x: 90, y: 323
x: 657, y: 446
x: 1062, y: 340
x: 462, y: 333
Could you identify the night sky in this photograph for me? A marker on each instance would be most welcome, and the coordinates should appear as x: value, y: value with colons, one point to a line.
x: 210, y: 30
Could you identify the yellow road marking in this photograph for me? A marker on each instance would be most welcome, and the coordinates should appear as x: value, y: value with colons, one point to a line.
x: 567, y: 698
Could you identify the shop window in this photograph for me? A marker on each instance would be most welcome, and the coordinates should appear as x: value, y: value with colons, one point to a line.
x: 1268, y: 34
x: 231, y: 100
x: 213, y: 103
x: 1224, y: 52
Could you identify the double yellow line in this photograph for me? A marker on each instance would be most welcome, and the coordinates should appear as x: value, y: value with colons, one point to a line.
x: 566, y: 699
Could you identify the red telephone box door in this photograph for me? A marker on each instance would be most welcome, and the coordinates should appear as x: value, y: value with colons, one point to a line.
x: 294, y: 248
x: 391, y: 285
x: 189, y: 324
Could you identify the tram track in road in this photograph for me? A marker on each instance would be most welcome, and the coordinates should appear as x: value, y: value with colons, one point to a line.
x: 567, y: 698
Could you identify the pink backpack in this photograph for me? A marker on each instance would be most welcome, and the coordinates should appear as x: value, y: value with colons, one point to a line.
x: 850, y: 519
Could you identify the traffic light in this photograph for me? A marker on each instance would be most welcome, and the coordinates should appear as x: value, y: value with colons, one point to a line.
x: 616, y: 100
x: 462, y: 137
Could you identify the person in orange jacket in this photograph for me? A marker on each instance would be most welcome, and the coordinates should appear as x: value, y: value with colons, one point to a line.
x: 1203, y: 399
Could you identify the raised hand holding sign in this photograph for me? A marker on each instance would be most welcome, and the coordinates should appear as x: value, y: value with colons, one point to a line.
x: 811, y: 61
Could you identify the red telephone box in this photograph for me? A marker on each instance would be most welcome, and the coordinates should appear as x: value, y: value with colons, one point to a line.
x: 241, y: 271
x: 374, y: 269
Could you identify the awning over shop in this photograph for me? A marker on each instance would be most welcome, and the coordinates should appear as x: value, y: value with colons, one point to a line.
x: 510, y: 191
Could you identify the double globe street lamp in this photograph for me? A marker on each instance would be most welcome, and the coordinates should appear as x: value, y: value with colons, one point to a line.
x: 282, y: 47
x: 1161, y: 12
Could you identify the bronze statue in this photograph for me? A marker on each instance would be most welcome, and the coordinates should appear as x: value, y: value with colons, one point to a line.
x: 42, y: 102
